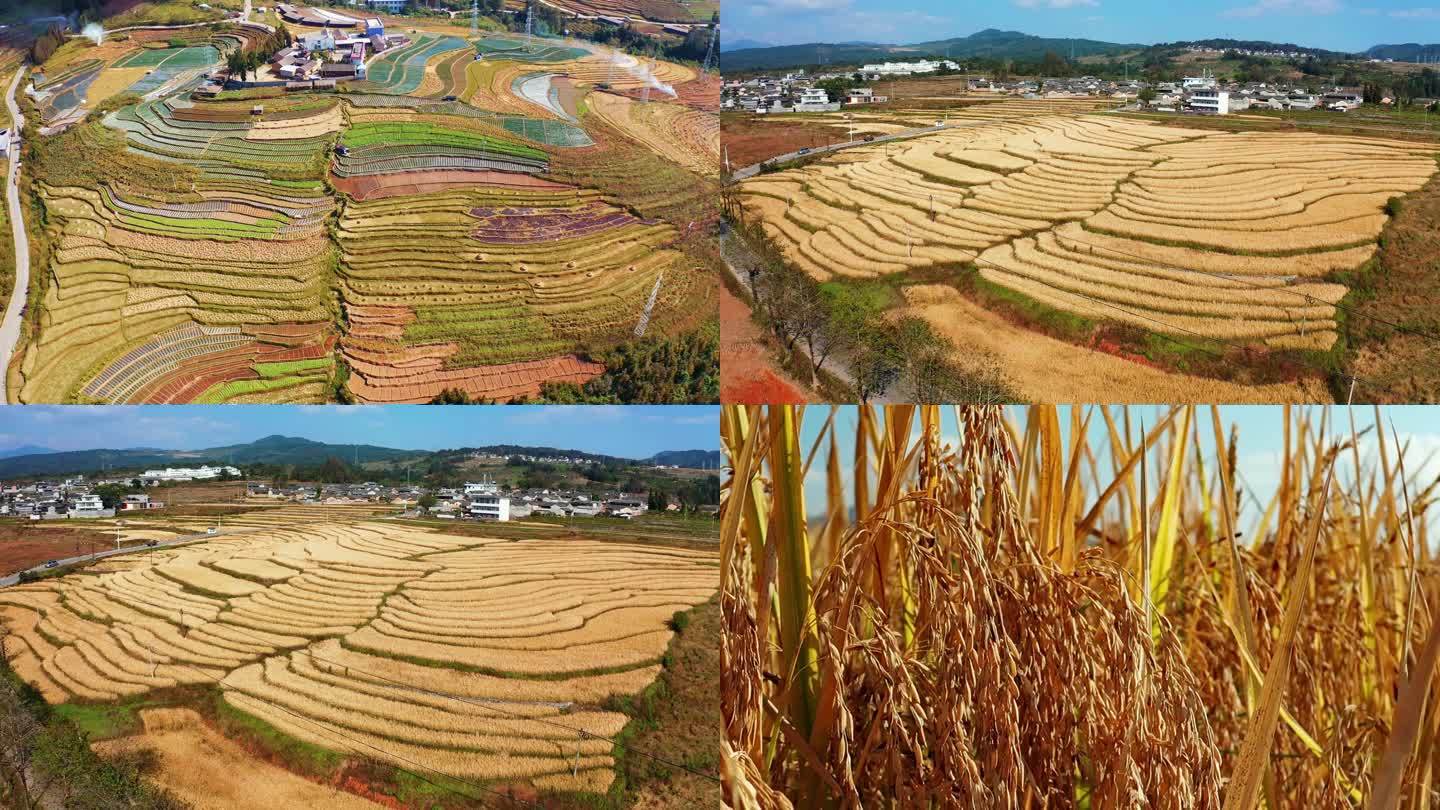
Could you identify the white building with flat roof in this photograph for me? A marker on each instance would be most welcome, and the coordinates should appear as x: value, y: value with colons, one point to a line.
x: 815, y: 100
x: 1212, y: 102
x: 907, y: 68
x: 1204, y: 82
x: 201, y: 473
x: 486, y: 502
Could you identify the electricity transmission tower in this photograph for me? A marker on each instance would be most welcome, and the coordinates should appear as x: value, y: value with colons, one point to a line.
x: 710, y: 50
x: 530, y: 25
x: 649, y: 305
x: 474, y: 17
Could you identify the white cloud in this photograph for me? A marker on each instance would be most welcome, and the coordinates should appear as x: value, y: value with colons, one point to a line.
x: 1425, y: 13
x: 1300, y: 7
x: 1055, y: 3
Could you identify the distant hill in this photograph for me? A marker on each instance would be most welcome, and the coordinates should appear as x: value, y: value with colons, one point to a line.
x: 24, y: 450
x: 529, y: 450
x: 741, y: 44
x: 1408, y: 52
x: 993, y: 43
x: 990, y: 43
x: 290, y: 450
x: 300, y: 452
x: 269, y: 450
x: 693, y: 459
x: 1252, y: 45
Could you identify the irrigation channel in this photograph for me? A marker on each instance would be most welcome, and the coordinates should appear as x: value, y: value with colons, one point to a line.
x: 10, y: 324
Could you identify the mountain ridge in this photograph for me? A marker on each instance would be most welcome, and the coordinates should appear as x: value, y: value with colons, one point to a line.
x: 996, y: 43
x: 278, y: 449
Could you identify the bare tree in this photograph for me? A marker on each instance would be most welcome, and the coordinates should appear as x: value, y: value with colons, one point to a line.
x: 19, y: 731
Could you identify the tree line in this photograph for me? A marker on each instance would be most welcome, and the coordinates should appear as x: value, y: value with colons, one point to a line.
x: 241, y: 62
x: 46, y: 760
x: 849, y: 326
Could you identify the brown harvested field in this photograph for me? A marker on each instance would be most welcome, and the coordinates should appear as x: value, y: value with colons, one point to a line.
x: 25, y: 545
x: 746, y: 373
x: 750, y: 139
x: 210, y: 772
x: 419, y: 381
x: 180, y: 494
x: 400, y: 184
x: 1047, y: 370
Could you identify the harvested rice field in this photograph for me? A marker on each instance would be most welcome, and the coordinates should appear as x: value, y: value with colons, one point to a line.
x: 497, y: 664
x: 1236, y: 238
x: 381, y: 244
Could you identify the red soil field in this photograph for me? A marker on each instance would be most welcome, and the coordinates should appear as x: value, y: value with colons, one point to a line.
x: 380, y: 186
x: 422, y: 381
x: 750, y: 140
x: 274, y: 343
x: 746, y: 374
x: 23, y: 545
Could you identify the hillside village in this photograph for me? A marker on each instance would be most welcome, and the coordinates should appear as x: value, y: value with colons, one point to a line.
x: 79, y: 497
x: 800, y: 92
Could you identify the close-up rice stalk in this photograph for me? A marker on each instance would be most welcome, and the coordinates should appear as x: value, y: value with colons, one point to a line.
x: 1086, y: 607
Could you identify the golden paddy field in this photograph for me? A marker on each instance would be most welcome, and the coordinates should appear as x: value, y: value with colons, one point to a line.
x: 479, y: 659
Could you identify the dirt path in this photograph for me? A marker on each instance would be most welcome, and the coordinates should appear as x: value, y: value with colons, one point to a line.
x: 212, y: 773
x: 746, y: 374
x: 1044, y: 369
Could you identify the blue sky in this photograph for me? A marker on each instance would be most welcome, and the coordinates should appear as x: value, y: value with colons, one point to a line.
x: 1261, y: 431
x: 631, y: 431
x: 1335, y: 24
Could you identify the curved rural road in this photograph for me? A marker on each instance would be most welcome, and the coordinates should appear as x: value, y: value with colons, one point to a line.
x: 751, y: 171
x: 14, y: 579
x: 10, y: 324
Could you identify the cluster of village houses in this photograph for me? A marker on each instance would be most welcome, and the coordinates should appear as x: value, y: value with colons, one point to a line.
x: 797, y: 92
x: 318, y: 59
x: 478, y: 501
x: 74, y: 497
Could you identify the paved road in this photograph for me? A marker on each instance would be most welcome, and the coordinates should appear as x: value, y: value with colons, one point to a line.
x: 10, y: 324
x: 13, y: 579
x: 751, y: 171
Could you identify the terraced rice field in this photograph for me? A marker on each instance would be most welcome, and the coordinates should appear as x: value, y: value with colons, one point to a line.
x: 543, y: 271
x: 483, y: 659
x: 240, y: 250
x: 689, y: 137
x: 196, y: 295
x: 1222, y: 235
